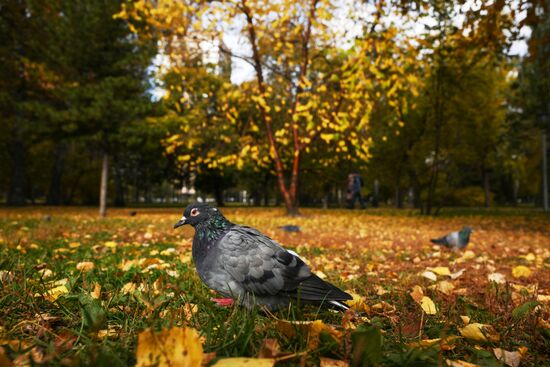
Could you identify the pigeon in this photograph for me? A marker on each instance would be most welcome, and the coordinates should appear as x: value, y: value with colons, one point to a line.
x: 455, y: 240
x: 241, y: 263
x: 290, y: 228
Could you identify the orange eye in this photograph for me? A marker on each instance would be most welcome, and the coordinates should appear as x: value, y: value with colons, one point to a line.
x: 194, y: 212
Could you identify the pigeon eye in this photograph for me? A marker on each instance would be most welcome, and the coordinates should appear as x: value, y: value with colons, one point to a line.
x: 194, y: 212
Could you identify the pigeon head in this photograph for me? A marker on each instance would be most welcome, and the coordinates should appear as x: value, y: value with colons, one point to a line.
x: 198, y: 213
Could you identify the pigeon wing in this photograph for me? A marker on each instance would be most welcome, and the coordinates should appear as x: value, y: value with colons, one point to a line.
x: 259, y: 264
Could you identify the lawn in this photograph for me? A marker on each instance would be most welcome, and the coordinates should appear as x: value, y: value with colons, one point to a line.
x: 78, y: 290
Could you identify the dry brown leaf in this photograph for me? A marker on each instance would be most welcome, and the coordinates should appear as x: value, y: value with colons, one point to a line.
x: 169, y: 347
x: 459, y: 363
x: 328, y: 362
x: 417, y: 293
x: 511, y: 359
x: 269, y: 349
x: 241, y: 362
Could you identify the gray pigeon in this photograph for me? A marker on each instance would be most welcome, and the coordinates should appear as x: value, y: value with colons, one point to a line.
x: 241, y: 263
x: 290, y: 228
x: 455, y: 240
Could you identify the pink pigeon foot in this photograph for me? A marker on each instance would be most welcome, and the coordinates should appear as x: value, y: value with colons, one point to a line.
x: 223, y: 302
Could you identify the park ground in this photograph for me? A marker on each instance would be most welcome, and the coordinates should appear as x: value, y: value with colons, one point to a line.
x: 78, y: 290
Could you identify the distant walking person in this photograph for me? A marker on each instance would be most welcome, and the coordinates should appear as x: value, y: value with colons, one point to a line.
x: 355, y: 183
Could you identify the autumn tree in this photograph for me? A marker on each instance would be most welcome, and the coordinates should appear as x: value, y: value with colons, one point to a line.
x: 308, y: 93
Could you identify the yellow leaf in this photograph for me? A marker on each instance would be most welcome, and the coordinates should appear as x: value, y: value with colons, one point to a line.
x: 465, y: 319
x: 445, y: 287
x: 308, y: 329
x: 357, y: 303
x: 428, y: 305
x: 473, y: 331
x: 521, y: 271
x: 74, y: 244
x: 110, y: 244
x: 169, y: 347
x: 128, y: 288
x: 441, y: 270
x: 96, y: 293
x: 55, y: 292
x: 85, y: 266
x: 248, y: 362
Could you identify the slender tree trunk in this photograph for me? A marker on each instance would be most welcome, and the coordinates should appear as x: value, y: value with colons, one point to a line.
x: 486, y: 187
x: 55, y: 196
x: 120, y: 194
x: 103, y: 187
x: 376, y: 194
x: 18, y: 168
x: 544, y: 173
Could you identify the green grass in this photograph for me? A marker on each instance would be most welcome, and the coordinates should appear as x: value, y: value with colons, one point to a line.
x: 70, y: 330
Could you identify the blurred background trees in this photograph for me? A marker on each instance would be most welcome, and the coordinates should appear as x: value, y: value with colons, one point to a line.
x: 423, y: 97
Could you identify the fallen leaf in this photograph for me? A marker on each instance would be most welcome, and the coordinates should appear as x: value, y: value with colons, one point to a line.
x: 428, y: 305
x: 128, y: 288
x: 110, y: 244
x: 440, y: 270
x: 169, y: 347
x: 308, y: 329
x: 429, y: 275
x: 54, y: 293
x: 521, y: 271
x: 357, y: 303
x: 320, y: 274
x: 445, y: 343
x: 511, y: 359
x: 457, y: 274
x: 459, y: 363
x: 4, y: 360
x: 269, y: 349
x: 96, y: 293
x: 85, y: 266
x: 417, y: 293
x: 329, y: 362
x: 445, y: 287
x: 473, y: 331
x: 248, y: 362
x: 497, y: 278
x: 74, y: 244
x: 465, y: 319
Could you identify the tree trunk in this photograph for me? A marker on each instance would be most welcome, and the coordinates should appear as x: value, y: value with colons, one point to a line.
x: 55, y: 196
x: 120, y: 195
x: 103, y: 187
x: 18, y: 168
x: 218, y: 195
x: 486, y: 187
x: 376, y: 194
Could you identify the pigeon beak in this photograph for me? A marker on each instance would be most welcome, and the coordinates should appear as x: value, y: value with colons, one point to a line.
x: 181, y: 222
